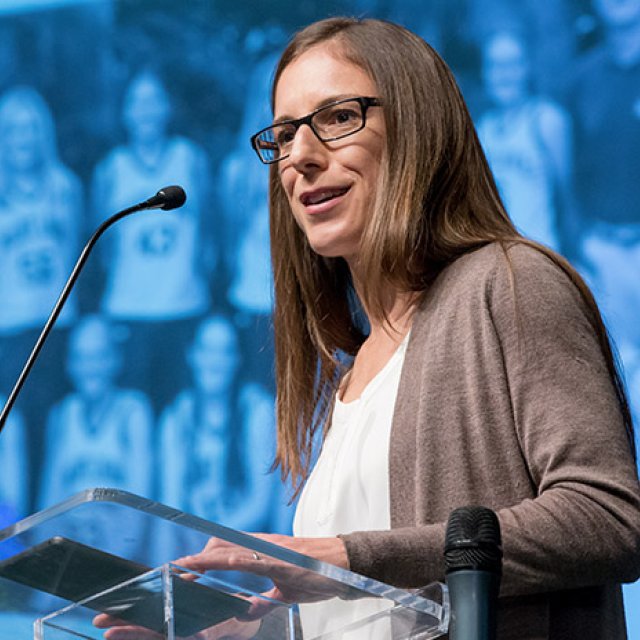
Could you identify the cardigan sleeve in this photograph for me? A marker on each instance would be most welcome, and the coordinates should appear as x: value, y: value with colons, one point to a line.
x: 581, y: 526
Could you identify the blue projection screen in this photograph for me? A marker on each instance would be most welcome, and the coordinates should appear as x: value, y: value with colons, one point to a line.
x: 164, y: 353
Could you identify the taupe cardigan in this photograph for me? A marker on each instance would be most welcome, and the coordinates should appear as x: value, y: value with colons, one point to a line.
x: 506, y: 402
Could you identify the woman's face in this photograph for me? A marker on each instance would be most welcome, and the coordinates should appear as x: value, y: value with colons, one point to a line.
x: 506, y: 70
x: 22, y: 138
x: 214, y: 358
x: 93, y: 360
x: 146, y: 109
x: 331, y: 186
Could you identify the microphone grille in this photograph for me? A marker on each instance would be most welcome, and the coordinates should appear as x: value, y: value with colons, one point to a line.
x: 473, y: 540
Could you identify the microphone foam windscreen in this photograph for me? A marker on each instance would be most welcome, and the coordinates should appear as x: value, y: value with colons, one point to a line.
x: 473, y: 540
x: 174, y: 197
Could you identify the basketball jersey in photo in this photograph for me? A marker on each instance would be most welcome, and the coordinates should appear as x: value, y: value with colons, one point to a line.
x: 37, y: 251
x: 522, y: 169
x: 154, y: 266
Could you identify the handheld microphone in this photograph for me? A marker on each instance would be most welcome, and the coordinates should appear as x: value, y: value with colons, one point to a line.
x: 473, y: 558
x: 167, y: 198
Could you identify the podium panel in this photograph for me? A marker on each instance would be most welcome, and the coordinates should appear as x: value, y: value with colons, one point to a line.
x: 108, y: 551
x: 163, y: 602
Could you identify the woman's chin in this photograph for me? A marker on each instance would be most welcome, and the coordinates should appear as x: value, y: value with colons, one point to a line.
x: 329, y: 249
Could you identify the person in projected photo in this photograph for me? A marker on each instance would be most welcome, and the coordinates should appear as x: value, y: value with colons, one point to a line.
x: 244, y: 191
x: 217, y: 437
x: 528, y: 142
x: 480, y: 370
x: 40, y: 218
x: 605, y: 98
x: 100, y: 434
x: 157, y: 262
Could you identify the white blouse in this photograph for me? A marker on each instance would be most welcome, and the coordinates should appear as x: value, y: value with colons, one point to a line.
x: 348, y: 489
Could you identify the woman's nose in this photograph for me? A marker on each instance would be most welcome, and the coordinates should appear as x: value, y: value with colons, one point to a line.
x: 307, y: 151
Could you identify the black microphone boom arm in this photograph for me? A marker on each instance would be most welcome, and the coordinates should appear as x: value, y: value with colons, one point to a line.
x: 167, y: 198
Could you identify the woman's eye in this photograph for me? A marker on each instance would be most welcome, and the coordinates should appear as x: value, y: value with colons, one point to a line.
x: 344, y: 116
x: 285, y: 137
x: 334, y: 120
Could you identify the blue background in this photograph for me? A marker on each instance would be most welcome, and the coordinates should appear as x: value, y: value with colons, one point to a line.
x: 164, y: 353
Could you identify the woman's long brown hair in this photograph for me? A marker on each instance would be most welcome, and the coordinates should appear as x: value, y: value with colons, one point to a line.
x: 436, y: 200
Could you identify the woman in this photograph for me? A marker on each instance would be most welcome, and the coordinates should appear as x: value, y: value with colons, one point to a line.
x: 484, y: 374
x: 216, y: 437
x: 98, y: 435
x: 243, y: 196
x: 156, y: 269
x: 527, y: 140
x: 95, y: 431
x: 41, y: 207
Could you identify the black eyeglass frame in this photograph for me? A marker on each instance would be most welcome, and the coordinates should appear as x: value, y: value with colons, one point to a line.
x: 364, y: 102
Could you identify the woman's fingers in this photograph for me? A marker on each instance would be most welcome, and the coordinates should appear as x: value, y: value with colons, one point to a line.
x: 226, y: 559
x: 120, y: 630
x: 131, y: 632
x: 261, y: 606
x: 104, y: 620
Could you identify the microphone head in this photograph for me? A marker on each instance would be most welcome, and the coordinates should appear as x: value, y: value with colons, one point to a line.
x: 473, y: 540
x: 171, y: 197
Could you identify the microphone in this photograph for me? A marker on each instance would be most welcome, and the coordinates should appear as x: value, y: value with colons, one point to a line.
x: 473, y: 559
x: 167, y: 198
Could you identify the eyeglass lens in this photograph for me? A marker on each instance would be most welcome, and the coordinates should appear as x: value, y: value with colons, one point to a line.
x: 329, y: 123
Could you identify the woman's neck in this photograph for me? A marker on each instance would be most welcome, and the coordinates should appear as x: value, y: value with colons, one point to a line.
x: 397, y: 319
x: 385, y: 336
x: 149, y: 150
x: 213, y: 400
x: 397, y: 311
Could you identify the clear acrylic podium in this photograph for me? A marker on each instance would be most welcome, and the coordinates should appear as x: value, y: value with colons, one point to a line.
x: 108, y: 551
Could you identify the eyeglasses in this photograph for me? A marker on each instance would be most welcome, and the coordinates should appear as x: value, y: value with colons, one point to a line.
x: 331, y: 122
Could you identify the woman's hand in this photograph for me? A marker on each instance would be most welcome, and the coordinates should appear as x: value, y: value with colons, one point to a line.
x: 218, y: 553
x: 291, y: 583
x: 331, y: 550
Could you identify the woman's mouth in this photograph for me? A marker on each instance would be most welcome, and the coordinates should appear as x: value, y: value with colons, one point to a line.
x: 321, y: 200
